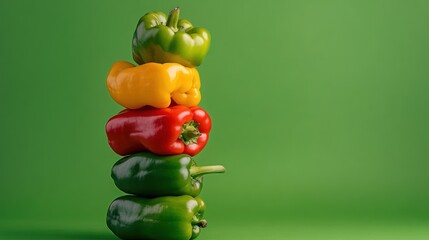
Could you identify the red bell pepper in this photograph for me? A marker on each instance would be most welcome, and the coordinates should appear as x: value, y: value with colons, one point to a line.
x: 164, y: 131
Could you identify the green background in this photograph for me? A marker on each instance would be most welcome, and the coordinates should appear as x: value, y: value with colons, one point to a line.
x: 319, y: 108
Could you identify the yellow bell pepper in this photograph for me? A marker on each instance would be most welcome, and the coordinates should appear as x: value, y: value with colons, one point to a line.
x: 153, y: 84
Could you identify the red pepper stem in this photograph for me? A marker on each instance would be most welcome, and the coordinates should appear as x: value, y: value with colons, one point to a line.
x: 173, y: 19
x: 190, y: 133
x: 197, y: 171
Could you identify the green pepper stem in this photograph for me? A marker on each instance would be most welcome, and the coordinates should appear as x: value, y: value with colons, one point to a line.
x: 197, y: 171
x: 203, y: 223
x: 173, y: 19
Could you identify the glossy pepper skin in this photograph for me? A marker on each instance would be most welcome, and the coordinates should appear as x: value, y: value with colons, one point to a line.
x: 153, y: 84
x: 161, y: 39
x: 165, y: 131
x: 149, y: 175
x: 163, y: 218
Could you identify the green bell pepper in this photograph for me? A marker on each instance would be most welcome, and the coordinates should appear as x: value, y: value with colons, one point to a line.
x: 162, y: 40
x: 148, y: 175
x: 163, y: 218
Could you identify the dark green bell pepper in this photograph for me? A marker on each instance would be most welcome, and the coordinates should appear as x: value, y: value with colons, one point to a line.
x: 163, y: 218
x: 161, y: 40
x: 148, y: 175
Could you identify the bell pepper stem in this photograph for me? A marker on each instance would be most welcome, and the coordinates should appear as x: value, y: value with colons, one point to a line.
x: 173, y: 19
x: 190, y: 133
x: 203, y: 223
x: 197, y: 171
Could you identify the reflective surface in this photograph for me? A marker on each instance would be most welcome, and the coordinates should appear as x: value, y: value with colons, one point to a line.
x: 296, y: 230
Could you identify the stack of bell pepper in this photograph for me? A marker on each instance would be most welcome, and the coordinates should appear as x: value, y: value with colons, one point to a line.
x: 159, y: 131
